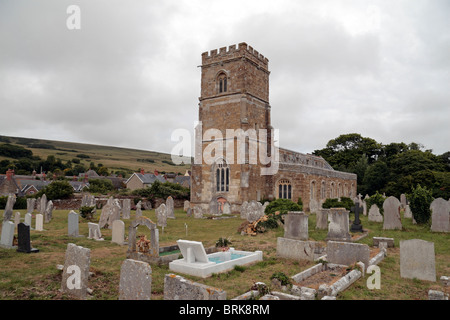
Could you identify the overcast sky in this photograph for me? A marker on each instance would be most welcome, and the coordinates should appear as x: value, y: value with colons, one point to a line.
x: 129, y: 77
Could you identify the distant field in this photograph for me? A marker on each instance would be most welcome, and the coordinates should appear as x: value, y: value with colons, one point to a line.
x: 114, y: 158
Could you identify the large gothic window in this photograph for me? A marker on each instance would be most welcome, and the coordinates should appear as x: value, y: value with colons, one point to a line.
x: 284, y: 189
x: 222, y: 83
x: 222, y: 176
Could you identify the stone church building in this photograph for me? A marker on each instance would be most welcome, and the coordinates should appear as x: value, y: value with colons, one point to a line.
x: 235, y: 95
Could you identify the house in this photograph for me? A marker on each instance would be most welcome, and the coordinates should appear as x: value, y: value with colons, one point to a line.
x: 8, y: 184
x: 30, y: 186
x: 185, y: 181
x: 142, y: 180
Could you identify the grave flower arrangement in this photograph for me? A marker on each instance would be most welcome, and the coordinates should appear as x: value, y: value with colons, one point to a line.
x: 223, y: 244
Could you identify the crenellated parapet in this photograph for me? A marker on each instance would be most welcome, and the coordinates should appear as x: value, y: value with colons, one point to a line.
x: 233, y: 52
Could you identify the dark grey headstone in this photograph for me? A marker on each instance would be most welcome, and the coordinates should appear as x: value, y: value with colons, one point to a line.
x: 23, y: 239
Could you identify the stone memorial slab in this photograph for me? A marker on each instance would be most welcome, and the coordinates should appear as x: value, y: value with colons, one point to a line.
x: 170, y: 208
x: 7, y: 238
x: 392, y: 220
x: 73, y: 220
x: 48, y: 211
x: 189, y: 212
x: 322, y: 219
x: 407, y: 213
x: 126, y: 208
x: 198, y: 212
x: 138, y: 213
x: 118, y: 232
x: 187, y: 205
x: 135, y: 280
x: 192, y: 251
x: 76, y: 271
x: 28, y: 218
x: 39, y: 222
x: 440, y: 215
x: 227, y: 208
x: 94, y: 231
x: 114, y: 214
x: 161, y: 215
x: 104, y: 215
x: 254, y: 211
x: 16, y: 218
x: 338, y: 226
x: 23, y: 239
x: 152, y: 250
x: 244, y: 212
x: 296, y: 225
x: 374, y: 214
x: 347, y: 253
x: 417, y: 260
x: 43, y: 204
x: 9, y: 207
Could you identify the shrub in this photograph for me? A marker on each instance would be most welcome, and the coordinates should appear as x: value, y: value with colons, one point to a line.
x: 282, y: 277
x: 60, y: 189
x: 345, y: 202
x: 377, y: 199
x: 87, y: 212
x: 100, y: 186
x: 275, y: 212
x: 223, y: 242
x: 419, y: 202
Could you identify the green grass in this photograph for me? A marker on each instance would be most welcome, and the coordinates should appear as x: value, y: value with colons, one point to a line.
x: 34, y: 276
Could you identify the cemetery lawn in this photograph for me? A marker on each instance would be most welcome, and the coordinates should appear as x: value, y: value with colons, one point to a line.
x: 35, y: 276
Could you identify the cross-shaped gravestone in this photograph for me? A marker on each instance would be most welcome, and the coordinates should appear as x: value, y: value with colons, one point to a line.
x: 356, y: 225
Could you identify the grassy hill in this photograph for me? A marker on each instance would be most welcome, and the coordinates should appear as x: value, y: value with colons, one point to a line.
x: 114, y: 158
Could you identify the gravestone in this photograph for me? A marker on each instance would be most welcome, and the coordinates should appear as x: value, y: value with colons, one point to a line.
x: 356, y: 225
x: 23, y: 239
x: 227, y: 208
x: 254, y: 211
x: 338, y: 226
x: 417, y: 260
x: 374, y: 214
x: 76, y: 271
x: 39, y: 222
x: 198, y: 212
x: 135, y: 280
x: 440, y: 215
x: 187, y: 204
x: 43, y: 205
x: 364, y: 204
x: 407, y: 213
x: 104, y: 215
x: 244, y: 206
x: 151, y: 252
x: 170, y: 208
x: 48, y: 211
x: 138, y: 210
x: 38, y: 204
x: 7, y: 238
x: 118, y: 232
x: 403, y: 200
x: 214, y: 207
x: 296, y: 225
x: 126, y: 208
x: 192, y: 251
x: 9, y: 207
x: 94, y: 231
x: 347, y: 253
x: 392, y: 220
x: 322, y: 219
x: 73, y: 219
x: 161, y: 215
x: 30, y: 204
x: 189, y: 212
x: 114, y: 214
x: 16, y: 218
x: 28, y: 219
x: 313, y: 206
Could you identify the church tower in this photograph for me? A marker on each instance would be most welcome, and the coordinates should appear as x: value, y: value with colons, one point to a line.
x: 234, y: 95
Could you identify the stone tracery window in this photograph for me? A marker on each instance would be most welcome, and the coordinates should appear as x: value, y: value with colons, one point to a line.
x: 284, y: 189
x: 222, y: 176
x: 222, y: 82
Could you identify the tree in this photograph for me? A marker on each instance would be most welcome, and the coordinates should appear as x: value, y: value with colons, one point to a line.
x: 347, y: 149
x: 375, y: 177
x: 419, y: 201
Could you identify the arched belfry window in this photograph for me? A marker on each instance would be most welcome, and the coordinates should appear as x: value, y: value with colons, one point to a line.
x: 284, y: 189
x: 222, y: 176
x: 222, y: 82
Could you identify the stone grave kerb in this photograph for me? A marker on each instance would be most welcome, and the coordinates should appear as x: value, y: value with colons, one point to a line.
x: 154, y: 241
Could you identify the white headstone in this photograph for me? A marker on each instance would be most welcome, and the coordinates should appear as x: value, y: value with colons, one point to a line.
x: 16, y: 218
x: 39, y: 222
x: 417, y: 260
x: 118, y: 232
x: 192, y: 251
x: 374, y: 214
x: 7, y: 237
x: 94, y: 231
